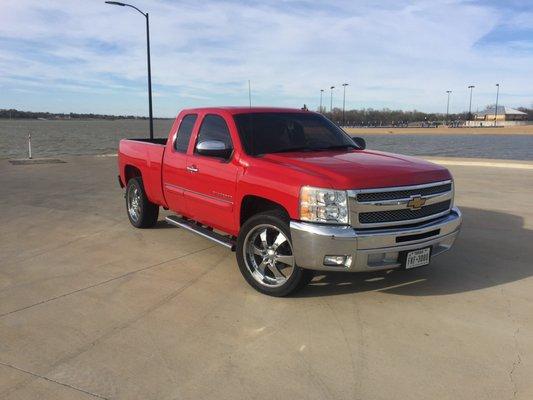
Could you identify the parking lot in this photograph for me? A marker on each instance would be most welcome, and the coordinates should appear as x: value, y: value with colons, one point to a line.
x: 92, y: 308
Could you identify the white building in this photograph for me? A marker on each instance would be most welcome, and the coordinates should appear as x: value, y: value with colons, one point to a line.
x: 505, y: 116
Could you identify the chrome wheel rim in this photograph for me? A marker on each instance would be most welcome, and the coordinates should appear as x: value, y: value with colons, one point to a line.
x: 134, y: 203
x: 268, y: 255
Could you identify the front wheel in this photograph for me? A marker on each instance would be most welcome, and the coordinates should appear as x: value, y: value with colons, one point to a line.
x: 266, y: 258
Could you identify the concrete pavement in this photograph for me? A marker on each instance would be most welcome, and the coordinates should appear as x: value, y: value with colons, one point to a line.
x: 91, y: 308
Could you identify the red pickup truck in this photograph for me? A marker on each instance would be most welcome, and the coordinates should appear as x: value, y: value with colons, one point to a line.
x: 291, y: 193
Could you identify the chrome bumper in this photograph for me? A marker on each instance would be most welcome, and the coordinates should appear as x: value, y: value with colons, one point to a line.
x: 369, y: 249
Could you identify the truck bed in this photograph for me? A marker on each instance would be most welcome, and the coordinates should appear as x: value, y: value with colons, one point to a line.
x: 146, y: 156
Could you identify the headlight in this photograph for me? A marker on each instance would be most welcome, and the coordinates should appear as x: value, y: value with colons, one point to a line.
x: 323, y: 205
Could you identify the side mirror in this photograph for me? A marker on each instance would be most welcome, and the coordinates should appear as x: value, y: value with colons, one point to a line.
x: 213, y: 148
x: 360, y: 142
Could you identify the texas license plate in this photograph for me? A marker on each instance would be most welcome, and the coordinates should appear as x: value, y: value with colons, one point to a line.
x: 417, y: 258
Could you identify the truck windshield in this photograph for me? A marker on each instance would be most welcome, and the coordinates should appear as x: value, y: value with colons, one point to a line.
x: 263, y: 133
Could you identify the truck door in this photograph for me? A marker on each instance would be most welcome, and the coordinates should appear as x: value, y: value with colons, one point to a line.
x: 175, y: 175
x: 210, y: 189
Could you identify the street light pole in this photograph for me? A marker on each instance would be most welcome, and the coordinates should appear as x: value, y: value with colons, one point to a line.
x: 151, y: 114
x: 496, y: 108
x: 331, y: 100
x: 321, y: 93
x: 448, y: 105
x: 471, y: 87
x: 149, y: 77
x: 344, y: 103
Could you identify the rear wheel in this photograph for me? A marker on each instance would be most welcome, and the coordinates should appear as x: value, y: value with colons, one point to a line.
x: 142, y: 213
x: 266, y: 258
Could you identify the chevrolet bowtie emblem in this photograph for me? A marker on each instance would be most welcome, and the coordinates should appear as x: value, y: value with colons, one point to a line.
x: 416, y: 203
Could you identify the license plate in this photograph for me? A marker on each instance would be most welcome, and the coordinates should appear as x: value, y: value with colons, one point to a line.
x: 417, y: 258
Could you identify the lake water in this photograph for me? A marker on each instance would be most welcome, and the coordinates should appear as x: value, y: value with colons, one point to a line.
x: 52, y: 138
x: 75, y: 137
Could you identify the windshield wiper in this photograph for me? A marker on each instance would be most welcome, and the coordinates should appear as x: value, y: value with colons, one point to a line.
x: 307, y: 149
x: 299, y: 148
x: 337, y: 147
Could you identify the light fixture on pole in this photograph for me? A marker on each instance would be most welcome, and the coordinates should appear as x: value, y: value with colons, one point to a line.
x: 250, y: 93
x: 471, y: 87
x: 344, y: 103
x: 448, y: 105
x: 331, y: 99
x: 116, y: 3
x: 321, y: 93
x: 496, y: 107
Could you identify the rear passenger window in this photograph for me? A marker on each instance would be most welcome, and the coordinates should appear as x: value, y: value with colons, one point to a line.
x: 184, y: 133
x: 214, y: 128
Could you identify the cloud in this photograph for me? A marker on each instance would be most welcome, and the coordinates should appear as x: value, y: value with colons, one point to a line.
x: 397, y: 54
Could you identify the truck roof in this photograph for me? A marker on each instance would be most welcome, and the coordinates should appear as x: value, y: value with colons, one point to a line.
x: 244, y: 109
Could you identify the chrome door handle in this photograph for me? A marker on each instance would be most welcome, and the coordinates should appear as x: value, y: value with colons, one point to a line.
x: 192, y: 168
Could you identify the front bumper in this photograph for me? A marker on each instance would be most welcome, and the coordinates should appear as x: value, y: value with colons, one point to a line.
x: 369, y: 249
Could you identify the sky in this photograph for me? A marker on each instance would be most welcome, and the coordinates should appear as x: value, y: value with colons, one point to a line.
x: 87, y: 56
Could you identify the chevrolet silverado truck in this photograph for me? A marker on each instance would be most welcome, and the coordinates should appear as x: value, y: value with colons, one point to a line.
x: 291, y: 193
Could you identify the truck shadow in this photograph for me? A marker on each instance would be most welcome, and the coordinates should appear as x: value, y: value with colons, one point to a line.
x: 162, y: 224
x: 493, y: 248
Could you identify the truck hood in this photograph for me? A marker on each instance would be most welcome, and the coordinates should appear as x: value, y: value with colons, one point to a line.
x: 362, y: 169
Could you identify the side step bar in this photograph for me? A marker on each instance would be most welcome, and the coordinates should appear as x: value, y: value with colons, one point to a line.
x: 225, y: 241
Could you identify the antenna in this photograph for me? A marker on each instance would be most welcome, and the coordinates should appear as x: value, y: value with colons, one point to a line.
x: 250, y: 119
x: 250, y: 93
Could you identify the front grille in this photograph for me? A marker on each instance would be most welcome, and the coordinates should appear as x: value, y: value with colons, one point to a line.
x: 377, y: 217
x: 403, y: 194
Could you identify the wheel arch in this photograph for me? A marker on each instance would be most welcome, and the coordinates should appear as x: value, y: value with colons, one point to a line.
x: 252, y: 205
x: 131, y: 171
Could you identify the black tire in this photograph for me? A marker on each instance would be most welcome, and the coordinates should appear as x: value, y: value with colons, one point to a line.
x: 146, y: 212
x: 298, y: 278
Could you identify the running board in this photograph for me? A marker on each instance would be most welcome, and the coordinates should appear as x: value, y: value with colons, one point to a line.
x: 225, y: 241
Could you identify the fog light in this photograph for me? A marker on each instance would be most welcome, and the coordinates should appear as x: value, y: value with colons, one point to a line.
x: 382, y: 259
x: 335, y: 261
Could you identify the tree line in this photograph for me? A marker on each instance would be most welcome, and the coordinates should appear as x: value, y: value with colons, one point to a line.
x: 387, y: 117
x: 362, y: 117
x: 18, y: 114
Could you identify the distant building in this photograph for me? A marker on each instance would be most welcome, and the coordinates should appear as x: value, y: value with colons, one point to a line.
x: 505, y: 116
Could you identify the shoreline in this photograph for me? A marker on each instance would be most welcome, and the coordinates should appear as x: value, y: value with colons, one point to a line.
x: 441, y: 130
x: 444, y: 131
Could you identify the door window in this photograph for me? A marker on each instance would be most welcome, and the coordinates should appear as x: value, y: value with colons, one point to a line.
x: 215, y: 128
x: 184, y: 133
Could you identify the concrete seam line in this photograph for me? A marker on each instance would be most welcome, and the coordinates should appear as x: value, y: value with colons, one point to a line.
x: 511, y: 165
x: 117, y: 328
x: 53, y: 381
x: 68, y: 243
x: 104, y: 282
